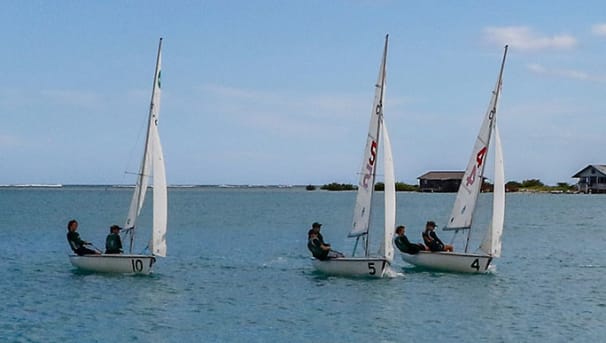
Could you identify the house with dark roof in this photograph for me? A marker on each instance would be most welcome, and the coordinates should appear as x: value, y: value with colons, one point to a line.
x: 440, y: 181
x: 592, y: 179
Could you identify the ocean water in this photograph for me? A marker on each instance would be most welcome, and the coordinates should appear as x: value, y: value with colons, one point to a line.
x: 238, y: 270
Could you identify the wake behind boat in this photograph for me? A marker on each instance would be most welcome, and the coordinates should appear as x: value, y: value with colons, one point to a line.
x: 465, y: 202
x: 369, y: 265
x: 152, y: 164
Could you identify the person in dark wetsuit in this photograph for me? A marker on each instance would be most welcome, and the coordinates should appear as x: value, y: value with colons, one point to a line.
x: 113, y: 243
x: 315, y: 243
x: 75, y: 242
x: 316, y: 228
x: 404, y: 245
x: 431, y: 238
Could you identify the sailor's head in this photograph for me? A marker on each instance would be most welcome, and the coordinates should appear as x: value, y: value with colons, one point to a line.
x: 311, y: 233
x: 114, y: 229
x: 400, y: 230
x: 430, y: 225
x: 72, y: 225
x: 316, y: 226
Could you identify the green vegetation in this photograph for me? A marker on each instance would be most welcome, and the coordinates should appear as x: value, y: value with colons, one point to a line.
x: 310, y: 187
x: 530, y: 185
x: 379, y: 186
x: 339, y: 187
x: 400, y: 187
x: 404, y: 187
x: 535, y: 185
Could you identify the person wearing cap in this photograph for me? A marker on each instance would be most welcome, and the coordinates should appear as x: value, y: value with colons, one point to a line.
x: 404, y: 245
x: 113, y: 243
x: 431, y: 238
x: 75, y: 242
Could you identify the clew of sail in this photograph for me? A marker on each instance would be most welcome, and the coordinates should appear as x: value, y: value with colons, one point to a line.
x: 361, y: 218
x: 491, y: 243
x: 390, y: 197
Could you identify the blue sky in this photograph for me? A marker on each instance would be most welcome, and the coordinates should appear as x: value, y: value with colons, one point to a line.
x: 280, y: 92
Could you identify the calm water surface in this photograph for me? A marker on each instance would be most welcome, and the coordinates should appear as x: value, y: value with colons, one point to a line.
x: 238, y: 270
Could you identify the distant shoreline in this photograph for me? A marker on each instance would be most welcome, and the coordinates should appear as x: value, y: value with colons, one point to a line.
x: 132, y: 186
x: 241, y: 187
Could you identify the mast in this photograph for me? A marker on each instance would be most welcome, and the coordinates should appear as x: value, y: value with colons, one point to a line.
x: 142, y: 183
x: 378, y: 112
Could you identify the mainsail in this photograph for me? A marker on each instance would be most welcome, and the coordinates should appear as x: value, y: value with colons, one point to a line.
x: 467, y: 196
x: 152, y: 165
x: 361, y: 218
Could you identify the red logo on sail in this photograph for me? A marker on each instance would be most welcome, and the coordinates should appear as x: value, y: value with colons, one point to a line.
x: 479, y: 162
x: 370, y: 163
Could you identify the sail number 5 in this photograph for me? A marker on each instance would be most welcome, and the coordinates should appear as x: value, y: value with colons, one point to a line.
x: 371, y: 268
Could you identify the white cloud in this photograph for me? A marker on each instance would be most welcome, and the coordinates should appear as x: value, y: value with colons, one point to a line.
x: 525, y: 38
x: 565, y: 73
x: 599, y: 30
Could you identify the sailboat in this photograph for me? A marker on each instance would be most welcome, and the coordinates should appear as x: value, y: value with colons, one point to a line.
x: 152, y: 169
x: 465, y: 203
x: 368, y: 265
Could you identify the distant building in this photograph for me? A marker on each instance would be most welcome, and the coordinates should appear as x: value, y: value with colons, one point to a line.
x: 440, y: 181
x: 592, y: 179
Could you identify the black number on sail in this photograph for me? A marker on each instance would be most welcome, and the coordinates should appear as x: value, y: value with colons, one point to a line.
x: 371, y: 268
x: 137, y: 265
x: 476, y: 264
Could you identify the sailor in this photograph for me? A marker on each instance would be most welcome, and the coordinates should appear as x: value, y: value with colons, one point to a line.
x: 315, y: 245
x: 113, y: 243
x: 316, y: 228
x: 431, y: 238
x: 402, y: 242
x: 75, y: 242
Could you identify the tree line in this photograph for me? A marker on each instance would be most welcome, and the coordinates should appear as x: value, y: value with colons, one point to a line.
x: 530, y: 185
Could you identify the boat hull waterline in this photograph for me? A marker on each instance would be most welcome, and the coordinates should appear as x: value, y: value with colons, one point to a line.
x: 107, y: 263
x: 353, y: 266
x: 450, y: 262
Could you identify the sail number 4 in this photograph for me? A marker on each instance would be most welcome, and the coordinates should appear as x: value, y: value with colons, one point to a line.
x: 476, y: 264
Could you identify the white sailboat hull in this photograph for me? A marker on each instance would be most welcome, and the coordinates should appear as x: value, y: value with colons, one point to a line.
x: 450, y: 261
x: 374, y: 267
x: 123, y: 264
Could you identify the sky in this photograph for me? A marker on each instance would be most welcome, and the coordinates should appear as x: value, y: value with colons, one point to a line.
x: 280, y: 92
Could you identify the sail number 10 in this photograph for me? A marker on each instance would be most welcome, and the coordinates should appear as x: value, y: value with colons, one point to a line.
x: 137, y: 265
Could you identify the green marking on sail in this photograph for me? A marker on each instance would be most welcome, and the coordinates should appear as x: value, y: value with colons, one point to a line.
x: 159, y: 75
